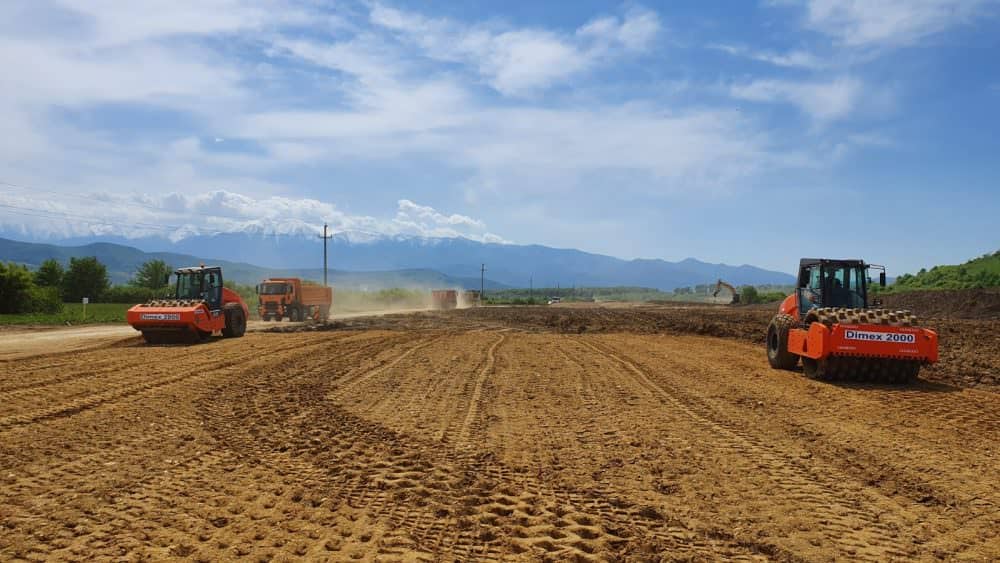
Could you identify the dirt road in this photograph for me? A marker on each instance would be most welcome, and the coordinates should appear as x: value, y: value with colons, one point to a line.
x: 22, y: 342
x: 476, y: 439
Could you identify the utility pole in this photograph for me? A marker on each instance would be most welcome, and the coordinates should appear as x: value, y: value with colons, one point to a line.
x: 482, y: 283
x: 531, y: 289
x: 325, y: 238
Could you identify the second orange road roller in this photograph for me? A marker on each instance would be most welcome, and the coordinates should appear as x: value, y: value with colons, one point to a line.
x: 199, y: 307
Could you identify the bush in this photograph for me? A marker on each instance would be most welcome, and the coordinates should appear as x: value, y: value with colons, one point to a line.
x: 15, y: 288
x: 132, y: 294
x: 771, y: 296
x: 247, y: 293
x: 19, y: 294
x: 153, y: 274
x: 45, y: 300
x: 50, y: 274
x: 86, y: 277
x: 749, y: 294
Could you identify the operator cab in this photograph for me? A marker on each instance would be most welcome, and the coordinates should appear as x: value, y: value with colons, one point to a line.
x: 200, y: 284
x: 834, y: 283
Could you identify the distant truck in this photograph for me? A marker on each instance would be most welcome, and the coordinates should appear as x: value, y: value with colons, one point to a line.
x: 471, y: 297
x: 289, y: 297
x: 444, y: 298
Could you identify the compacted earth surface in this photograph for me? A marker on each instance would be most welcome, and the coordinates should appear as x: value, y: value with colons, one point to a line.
x: 568, y: 433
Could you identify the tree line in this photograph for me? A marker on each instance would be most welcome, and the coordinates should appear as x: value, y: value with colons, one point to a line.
x: 47, y: 288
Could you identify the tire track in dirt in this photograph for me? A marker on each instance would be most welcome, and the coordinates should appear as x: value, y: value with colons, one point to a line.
x: 564, y: 523
x: 829, y: 501
x: 123, y: 384
x: 452, y: 501
x: 601, y: 424
x: 35, y: 373
x: 345, y: 387
x: 474, y: 401
x: 23, y: 378
x: 888, y: 446
x: 115, y: 506
x: 115, y: 393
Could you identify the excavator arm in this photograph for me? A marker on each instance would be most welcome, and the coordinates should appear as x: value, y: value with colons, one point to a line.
x: 719, y: 285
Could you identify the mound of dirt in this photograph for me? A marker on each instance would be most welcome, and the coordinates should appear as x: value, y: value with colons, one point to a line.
x: 948, y: 303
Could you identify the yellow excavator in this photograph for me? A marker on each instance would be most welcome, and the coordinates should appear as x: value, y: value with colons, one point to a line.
x: 720, y: 285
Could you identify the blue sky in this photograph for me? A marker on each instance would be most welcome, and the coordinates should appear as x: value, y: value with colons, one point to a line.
x: 737, y: 132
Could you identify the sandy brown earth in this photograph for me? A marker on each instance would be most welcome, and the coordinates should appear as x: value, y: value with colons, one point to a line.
x: 504, y: 434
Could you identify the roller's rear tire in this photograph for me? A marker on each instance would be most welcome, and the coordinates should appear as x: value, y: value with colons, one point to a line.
x: 236, y: 323
x: 777, y: 343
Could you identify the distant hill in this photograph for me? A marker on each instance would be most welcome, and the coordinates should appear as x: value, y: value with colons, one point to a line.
x: 507, y: 264
x: 122, y: 262
x: 979, y: 272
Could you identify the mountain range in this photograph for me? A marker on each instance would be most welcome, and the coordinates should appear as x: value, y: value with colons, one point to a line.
x: 358, y: 259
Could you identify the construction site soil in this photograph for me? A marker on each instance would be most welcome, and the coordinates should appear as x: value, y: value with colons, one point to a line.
x: 559, y: 434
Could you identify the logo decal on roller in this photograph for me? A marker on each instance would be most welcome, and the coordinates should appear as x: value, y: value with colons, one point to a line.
x: 161, y: 316
x: 867, y: 336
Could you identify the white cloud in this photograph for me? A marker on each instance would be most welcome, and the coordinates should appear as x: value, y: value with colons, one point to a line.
x: 521, y: 62
x: 821, y: 100
x: 791, y: 59
x: 636, y: 31
x: 396, y: 88
x: 410, y: 211
x: 889, y: 22
x: 39, y: 75
x: 177, y: 215
x: 110, y: 22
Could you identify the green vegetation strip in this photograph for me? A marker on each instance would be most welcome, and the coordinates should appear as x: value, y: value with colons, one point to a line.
x: 73, y: 314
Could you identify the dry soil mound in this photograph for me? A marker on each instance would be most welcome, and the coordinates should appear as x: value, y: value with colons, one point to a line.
x: 949, y: 303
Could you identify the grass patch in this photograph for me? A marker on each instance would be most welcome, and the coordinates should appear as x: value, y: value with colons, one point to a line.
x: 73, y: 314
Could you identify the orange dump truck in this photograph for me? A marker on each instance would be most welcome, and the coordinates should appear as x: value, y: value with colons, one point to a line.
x: 445, y: 298
x: 289, y: 297
x: 471, y: 297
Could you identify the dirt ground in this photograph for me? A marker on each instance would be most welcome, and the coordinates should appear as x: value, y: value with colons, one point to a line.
x: 635, y: 434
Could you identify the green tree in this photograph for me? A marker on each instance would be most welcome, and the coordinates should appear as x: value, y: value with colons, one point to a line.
x: 49, y: 274
x: 86, y: 277
x: 748, y: 294
x: 152, y: 274
x: 15, y: 288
